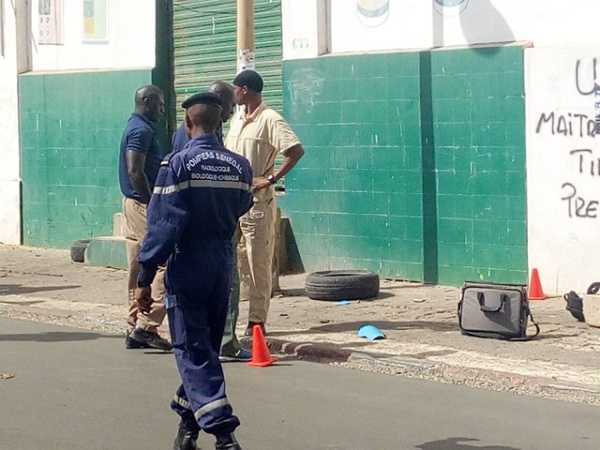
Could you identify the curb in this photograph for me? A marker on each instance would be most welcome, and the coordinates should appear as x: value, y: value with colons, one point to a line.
x: 313, y: 351
x: 435, y: 371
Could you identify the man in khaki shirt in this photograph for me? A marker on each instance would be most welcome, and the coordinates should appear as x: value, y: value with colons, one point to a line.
x: 259, y: 134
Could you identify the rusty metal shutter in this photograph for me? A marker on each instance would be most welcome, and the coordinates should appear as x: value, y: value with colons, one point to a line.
x: 205, y: 46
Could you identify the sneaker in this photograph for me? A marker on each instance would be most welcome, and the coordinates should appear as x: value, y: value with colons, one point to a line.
x: 250, y: 326
x: 151, y: 339
x: 185, y: 440
x: 227, y: 442
x: 131, y: 344
x: 241, y: 355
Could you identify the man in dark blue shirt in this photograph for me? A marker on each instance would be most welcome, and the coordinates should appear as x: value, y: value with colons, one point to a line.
x: 200, y: 193
x: 231, y: 349
x: 139, y: 161
x: 223, y: 90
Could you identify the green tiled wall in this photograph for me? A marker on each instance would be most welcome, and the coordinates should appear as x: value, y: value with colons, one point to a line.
x: 355, y: 200
x: 479, y: 135
x: 415, y: 164
x: 70, y: 128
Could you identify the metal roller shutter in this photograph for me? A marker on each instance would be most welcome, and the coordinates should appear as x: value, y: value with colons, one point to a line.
x: 205, y: 46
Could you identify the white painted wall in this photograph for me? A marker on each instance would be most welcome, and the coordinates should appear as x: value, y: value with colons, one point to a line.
x: 304, y: 32
x: 563, y: 167
x: 130, y: 44
x: 417, y: 24
x: 10, y: 211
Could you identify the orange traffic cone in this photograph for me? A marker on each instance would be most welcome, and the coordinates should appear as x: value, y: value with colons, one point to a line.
x: 261, y: 357
x: 535, y: 287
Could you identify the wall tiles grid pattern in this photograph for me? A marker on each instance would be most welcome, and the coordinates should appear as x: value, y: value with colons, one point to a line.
x: 70, y: 127
x: 415, y: 163
x: 479, y: 135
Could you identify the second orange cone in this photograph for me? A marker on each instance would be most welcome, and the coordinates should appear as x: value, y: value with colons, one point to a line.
x: 535, y: 287
x: 261, y: 357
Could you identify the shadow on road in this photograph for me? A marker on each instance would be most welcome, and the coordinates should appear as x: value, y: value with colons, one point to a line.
x: 54, y: 336
x: 382, y: 325
x: 388, y: 325
x: 300, y: 292
x: 18, y: 289
x: 460, y: 444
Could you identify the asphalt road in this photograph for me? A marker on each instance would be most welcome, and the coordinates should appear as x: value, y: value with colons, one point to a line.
x: 76, y: 389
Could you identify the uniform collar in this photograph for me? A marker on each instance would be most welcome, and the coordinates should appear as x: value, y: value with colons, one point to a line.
x: 144, y: 118
x: 210, y: 139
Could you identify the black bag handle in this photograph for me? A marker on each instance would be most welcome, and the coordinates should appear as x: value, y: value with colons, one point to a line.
x: 534, y: 335
x: 485, y: 308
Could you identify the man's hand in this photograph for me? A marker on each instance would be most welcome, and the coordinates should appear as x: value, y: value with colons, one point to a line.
x: 143, y: 297
x: 259, y: 183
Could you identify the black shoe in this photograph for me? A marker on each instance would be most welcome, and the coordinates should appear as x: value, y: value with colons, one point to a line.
x: 150, y: 339
x: 250, y: 327
x: 131, y: 343
x: 227, y: 442
x: 185, y: 440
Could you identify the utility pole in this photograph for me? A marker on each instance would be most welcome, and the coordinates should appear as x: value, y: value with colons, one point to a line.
x: 245, y: 35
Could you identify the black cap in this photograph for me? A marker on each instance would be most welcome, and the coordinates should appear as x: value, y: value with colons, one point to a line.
x: 205, y: 98
x: 249, y: 78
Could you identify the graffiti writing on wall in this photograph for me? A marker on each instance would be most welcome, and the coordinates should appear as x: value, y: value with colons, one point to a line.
x: 585, y: 79
x: 575, y: 128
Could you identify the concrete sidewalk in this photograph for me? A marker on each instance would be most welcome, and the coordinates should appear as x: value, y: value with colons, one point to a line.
x: 423, y: 339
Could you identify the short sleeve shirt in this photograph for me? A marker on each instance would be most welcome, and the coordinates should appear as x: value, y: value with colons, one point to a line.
x: 260, y: 137
x: 139, y: 136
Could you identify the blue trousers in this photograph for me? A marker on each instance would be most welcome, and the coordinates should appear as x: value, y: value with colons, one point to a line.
x: 198, y: 283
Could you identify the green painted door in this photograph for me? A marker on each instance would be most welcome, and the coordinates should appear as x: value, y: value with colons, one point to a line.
x: 205, y: 46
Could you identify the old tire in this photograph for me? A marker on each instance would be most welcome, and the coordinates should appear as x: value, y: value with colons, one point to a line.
x: 334, y: 285
x: 594, y: 288
x: 78, y: 249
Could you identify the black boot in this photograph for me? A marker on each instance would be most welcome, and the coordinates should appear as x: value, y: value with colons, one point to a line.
x: 227, y: 442
x: 185, y: 440
x: 150, y: 339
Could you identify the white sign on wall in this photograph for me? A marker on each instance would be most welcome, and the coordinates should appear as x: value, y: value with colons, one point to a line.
x: 50, y: 23
x: 95, y: 21
x: 563, y: 167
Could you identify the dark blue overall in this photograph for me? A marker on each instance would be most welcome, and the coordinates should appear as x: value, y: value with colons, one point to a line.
x: 200, y: 194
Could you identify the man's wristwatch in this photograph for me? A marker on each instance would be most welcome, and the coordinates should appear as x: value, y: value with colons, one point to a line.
x: 272, y: 179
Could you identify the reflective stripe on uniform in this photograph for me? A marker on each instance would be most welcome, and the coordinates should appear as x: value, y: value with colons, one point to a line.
x: 182, y: 402
x: 202, y: 183
x: 210, y: 406
x: 172, y: 188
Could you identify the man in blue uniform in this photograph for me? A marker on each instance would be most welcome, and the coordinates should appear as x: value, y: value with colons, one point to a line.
x: 231, y: 348
x: 139, y: 161
x: 199, y: 195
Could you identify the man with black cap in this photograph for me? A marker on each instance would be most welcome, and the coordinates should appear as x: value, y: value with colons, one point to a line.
x: 199, y: 195
x: 259, y: 134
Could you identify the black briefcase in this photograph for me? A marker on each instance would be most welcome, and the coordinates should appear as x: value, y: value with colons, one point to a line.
x: 495, y: 310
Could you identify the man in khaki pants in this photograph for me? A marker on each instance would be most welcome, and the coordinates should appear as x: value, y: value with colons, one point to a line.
x: 139, y: 161
x: 259, y: 134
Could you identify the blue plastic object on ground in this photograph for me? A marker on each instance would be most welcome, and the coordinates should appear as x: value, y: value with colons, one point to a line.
x: 343, y: 302
x: 370, y: 332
